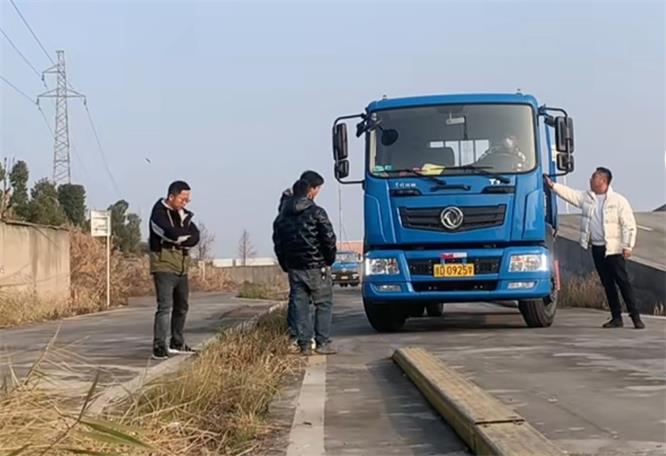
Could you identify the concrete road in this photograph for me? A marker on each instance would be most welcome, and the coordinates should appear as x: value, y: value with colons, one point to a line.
x: 593, y: 391
x: 119, y: 342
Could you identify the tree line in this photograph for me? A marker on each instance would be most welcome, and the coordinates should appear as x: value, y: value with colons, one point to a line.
x: 64, y: 205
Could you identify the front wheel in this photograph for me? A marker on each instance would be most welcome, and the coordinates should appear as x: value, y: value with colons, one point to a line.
x: 538, y: 313
x: 384, y: 317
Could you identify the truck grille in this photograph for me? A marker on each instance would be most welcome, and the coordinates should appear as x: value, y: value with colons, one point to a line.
x: 457, y: 285
x: 481, y: 265
x: 474, y: 217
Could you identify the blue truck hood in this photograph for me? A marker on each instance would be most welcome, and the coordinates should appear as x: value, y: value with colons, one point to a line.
x: 407, y: 211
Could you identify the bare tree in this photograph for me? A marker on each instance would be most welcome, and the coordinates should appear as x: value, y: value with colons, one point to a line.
x: 246, y: 250
x: 204, y: 249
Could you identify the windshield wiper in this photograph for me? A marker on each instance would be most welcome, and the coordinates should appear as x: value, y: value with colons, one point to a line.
x: 482, y: 170
x: 417, y: 174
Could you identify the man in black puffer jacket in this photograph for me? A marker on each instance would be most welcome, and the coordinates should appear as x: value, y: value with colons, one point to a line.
x: 287, y: 194
x: 305, y: 246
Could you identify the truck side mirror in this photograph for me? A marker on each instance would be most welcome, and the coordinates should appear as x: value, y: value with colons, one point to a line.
x: 564, y: 135
x: 341, y: 169
x: 565, y: 162
x: 340, y: 151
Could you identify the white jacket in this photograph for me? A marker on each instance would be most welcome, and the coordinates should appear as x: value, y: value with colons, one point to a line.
x: 619, y: 221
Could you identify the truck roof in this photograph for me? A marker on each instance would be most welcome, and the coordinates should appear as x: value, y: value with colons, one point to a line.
x: 428, y: 100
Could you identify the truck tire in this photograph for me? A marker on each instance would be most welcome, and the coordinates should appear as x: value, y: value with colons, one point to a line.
x: 538, y: 313
x: 386, y: 317
x: 435, y: 309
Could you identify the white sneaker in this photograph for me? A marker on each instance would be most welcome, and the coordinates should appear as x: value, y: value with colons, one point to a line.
x: 184, y: 350
x: 313, y: 344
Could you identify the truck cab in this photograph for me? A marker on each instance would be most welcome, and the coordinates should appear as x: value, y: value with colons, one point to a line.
x: 346, y: 271
x: 455, y: 208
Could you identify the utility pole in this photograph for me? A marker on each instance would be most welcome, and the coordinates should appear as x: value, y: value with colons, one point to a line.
x: 61, y: 162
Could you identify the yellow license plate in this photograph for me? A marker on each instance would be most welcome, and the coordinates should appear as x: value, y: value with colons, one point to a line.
x: 454, y: 270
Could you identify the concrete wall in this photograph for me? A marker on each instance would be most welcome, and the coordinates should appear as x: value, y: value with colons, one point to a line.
x: 256, y: 274
x: 649, y: 282
x: 34, y: 258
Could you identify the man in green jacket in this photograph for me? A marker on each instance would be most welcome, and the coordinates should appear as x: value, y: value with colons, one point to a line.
x: 172, y: 235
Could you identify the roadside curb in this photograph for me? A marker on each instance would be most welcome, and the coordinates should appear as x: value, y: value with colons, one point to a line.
x: 128, y: 388
x: 481, y: 420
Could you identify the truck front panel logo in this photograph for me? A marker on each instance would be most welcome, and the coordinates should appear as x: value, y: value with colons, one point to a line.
x: 451, y: 218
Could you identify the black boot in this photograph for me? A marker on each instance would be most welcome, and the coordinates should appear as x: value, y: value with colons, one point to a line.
x: 614, y: 323
x: 638, y: 324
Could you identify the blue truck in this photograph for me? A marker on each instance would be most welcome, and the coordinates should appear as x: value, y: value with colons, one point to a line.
x: 346, y: 271
x: 455, y: 207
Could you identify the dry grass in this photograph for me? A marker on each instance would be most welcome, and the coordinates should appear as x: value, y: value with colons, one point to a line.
x: 587, y: 292
x: 584, y: 292
x: 19, y: 307
x: 250, y: 290
x: 217, y: 406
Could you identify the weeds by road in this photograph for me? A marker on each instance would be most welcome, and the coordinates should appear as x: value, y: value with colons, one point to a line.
x: 587, y: 292
x: 216, y: 405
x: 250, y: 290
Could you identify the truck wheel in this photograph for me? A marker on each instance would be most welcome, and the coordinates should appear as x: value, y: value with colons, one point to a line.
x: 386, y: 317
x: 539, y: 313
x: 435, y: 309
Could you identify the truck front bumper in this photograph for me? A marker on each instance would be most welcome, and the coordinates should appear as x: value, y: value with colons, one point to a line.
x: 492, y: 279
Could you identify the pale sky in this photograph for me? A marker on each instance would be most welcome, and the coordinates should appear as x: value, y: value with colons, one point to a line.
x: 238, y: 98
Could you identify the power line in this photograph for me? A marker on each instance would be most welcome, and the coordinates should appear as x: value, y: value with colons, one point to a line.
x: 34, y: 35
x: 25, y: 59
x: 101, y: 150
x: 19, y: 91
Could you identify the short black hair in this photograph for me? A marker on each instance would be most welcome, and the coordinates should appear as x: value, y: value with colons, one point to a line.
x: 606, y: 173
x: 301, y: 188
x: 177, y: 187
x: 313, y: 178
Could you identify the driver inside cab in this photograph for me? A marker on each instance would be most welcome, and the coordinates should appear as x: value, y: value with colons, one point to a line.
x: 504, y: 154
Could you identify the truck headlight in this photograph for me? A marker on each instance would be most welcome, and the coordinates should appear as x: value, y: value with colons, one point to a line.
x: 528, y: 263
x: 381, y: 266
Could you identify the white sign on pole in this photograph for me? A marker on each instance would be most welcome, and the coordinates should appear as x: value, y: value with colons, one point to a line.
x: 100, y: 226
x: 100, y: 223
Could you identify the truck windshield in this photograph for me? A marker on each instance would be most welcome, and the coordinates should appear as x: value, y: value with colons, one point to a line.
x: 452, y: 139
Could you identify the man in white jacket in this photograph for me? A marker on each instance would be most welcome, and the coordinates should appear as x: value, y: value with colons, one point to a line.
x: 608, y: 224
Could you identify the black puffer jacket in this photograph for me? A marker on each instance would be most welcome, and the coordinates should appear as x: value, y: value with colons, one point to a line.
x: 303, y: 236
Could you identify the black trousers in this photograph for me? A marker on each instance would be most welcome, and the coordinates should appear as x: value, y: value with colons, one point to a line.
x: 612, y: 271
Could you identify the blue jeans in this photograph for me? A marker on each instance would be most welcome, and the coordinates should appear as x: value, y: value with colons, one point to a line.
x: 292, y: 319
x: 316, y: 287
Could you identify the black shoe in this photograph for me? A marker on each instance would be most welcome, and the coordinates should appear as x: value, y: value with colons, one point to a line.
x: 306, y: 350
x: 638, y: 323
x: 160, y: 353
x: 614, y: 323
x: 325, y: 349
x: 181, y: 350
